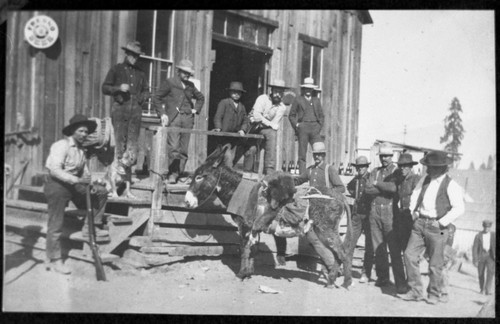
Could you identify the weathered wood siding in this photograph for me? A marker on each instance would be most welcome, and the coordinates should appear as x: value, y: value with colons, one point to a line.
x: 49, y: 86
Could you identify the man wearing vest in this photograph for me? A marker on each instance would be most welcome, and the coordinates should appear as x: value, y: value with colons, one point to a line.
x: 360, y: 215
x: 307, y: 119
x: 483, y: 257
x: 321, y: 175
x: 177, y: 94
x: 382, y: 187
x: 435, y: 203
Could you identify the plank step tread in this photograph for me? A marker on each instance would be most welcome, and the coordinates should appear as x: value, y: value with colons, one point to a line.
x: 105, y: 257
x: 78, y: 236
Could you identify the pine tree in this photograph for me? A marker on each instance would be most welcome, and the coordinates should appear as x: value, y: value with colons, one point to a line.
x: 471, y: 166
x: 482, y: 166
x: 453, y: 129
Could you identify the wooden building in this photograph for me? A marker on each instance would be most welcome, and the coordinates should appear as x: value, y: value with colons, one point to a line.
x: 46, y: 87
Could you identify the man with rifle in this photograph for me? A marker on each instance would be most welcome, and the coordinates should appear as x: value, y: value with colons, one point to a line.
x: 360, y: 215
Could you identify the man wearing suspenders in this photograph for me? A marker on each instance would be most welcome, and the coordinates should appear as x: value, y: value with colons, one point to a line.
x: 435, y: 203
x: 321, y: 175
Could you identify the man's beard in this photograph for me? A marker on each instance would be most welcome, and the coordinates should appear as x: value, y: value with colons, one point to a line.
x: 275, y: 100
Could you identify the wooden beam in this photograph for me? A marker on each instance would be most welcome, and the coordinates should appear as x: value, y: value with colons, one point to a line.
x: 204, y: 132
x: 192, y: 250
x: 175, y: 217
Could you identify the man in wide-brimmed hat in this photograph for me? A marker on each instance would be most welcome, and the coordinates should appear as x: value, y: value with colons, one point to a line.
x: 360, y: 215
x: 128, y: 86
x: 382, y: 187
x: 231, y: 116
x: 265, y: 118
x: 483, y: 257
x: 406, y: 181
x: 436, y: 202
x: 174, y: 104
x: 307, y: 119
x: 68, y: 179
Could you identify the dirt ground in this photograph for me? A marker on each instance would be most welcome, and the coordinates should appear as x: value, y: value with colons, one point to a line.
x: 209, y: 286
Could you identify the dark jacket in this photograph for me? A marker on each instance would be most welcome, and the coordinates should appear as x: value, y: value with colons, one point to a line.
x: 477, y: 247
x: 230, y: 118
x: 405, y: 186
x: 297, y: 110
x: 177, y: 98
x: 131, y: 75
x: 363, y: 202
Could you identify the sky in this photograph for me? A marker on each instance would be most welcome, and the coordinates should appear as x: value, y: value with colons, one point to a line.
x: 413, y: 63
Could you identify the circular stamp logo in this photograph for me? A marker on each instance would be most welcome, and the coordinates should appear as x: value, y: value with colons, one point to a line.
x: 41, y: 31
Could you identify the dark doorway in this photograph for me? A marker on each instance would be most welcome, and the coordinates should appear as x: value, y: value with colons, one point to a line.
x: 235, y: 63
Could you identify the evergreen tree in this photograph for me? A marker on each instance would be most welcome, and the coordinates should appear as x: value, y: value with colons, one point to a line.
x: 453, y: 129
x: 471, y: 166
x: 482, y: 167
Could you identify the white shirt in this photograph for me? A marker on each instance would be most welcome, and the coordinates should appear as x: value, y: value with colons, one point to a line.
x: 428, y: 206
x: 486, y: 241
x: 268, y: 114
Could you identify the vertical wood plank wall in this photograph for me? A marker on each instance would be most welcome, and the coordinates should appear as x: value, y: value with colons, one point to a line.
x: 49, y: 86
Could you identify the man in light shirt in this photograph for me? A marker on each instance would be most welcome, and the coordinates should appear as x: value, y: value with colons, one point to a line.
x: 265, y: 117
x: 436, y: 202
x: 483, y: 257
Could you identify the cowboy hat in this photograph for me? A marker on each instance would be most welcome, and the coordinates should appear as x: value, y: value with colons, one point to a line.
x: 318, y: 147
x: 436, y: 158
x: 385, y: 149
x: 361, y: 161
x: 236, y: 86
x: 309, y: 83
x: 186, y: 66
x: 79, y: 120
x: 277, y: 84
x: 406, y: 159
x: 133, y: 47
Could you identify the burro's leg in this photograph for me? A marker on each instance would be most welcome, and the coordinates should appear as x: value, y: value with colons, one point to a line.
x: 248, y: 252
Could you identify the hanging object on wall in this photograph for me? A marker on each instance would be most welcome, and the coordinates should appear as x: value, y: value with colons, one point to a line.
x: 41, y: 31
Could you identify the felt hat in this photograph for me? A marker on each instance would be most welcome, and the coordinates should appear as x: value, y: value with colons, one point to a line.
x: 277, y: 84
x: 318, y: 147
x: 79, y: 120
x: 487, y: 223
x: 361, y: 161
x: 309, y: 83
x: 186, y: 66
x: 236, y: 86
x: 436, y: 158
x: 405, y: 159
x: 133, y: 47
x: 385, y: 149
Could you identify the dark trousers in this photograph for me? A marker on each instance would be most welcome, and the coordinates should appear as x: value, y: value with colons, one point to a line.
x: 58, y: 195
x: 383, y: 236
x: 361, y: 223
x: 270, y: 136
x: 126, y: 120
x: 307, y: 133
x: 486, y: 265
x: 178, y: 143
x: 403, y: 223
x: 427, y: 236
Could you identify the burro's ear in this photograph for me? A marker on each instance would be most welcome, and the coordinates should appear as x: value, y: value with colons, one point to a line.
x: 217, y: 160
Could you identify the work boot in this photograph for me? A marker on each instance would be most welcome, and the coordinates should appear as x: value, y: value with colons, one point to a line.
x: 59, y: 267
x: 433, y: 300
x: 444, y: 298
x: 363, y: 278
x: 411, y: 296
x: 98, y: 232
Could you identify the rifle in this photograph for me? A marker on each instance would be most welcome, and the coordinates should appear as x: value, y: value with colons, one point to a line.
x: 99, y: 269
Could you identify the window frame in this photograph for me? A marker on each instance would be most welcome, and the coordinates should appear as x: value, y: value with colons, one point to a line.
x: 315, y: 43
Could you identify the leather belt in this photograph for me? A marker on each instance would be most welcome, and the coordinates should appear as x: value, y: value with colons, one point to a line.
x: 427, y: 218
